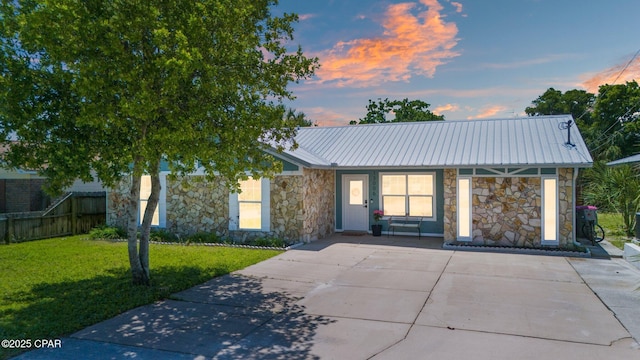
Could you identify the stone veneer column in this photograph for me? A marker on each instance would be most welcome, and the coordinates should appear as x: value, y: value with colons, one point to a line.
x: 319, y: 204
x: 450, y: 205
x: 287, y: 214
x: 566, y: 204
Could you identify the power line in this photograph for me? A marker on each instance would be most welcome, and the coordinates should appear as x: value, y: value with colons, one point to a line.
x: 615, y: 80
x: 626, y: 66
x: 619, y: 120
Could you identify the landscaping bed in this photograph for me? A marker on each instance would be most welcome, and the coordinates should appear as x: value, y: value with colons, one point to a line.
x: 581, y: 252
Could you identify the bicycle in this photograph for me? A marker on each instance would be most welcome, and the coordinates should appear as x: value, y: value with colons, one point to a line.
x: 594, y: 232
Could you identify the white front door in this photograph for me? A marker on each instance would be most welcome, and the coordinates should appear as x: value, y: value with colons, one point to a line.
x: 355, y: 202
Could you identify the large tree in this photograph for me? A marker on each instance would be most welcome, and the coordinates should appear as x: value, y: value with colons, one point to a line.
x: 114, y: 87
x: 615, y: 126
x: 578, y: 103
x: 404, y: 110
x: 298, y: 118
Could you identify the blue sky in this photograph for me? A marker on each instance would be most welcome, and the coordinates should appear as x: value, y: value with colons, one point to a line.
x: 469, y: 59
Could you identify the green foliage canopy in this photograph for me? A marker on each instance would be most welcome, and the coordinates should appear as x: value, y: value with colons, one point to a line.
x: 405, y: 110
x: 553, y: 102
x: 92, y: 85
x: 114, y: 87
x: 615, y: 128
x: 607, y: 121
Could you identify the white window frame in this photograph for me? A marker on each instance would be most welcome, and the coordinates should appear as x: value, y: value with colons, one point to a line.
x: 434, y: 205
x: 161, y: 209
x: 464, y: 214
x: 265, y: 210
x: 546, y: 206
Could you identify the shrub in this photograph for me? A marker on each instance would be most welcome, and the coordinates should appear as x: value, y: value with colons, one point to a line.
x: 162, y: 235
x: 615, y: 189
x: 107, y: 232
x: 203, y: 238
x: 269, y: 242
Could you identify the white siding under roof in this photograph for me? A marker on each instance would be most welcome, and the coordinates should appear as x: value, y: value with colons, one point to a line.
x: 531, y: 141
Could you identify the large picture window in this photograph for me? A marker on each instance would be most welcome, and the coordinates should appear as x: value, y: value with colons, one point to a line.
x: 407, y: 194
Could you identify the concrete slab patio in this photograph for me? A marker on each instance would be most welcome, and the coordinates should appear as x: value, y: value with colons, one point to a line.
x: 361, y: 297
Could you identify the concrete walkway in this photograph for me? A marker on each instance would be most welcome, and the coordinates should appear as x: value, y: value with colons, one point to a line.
x: 360, y: 297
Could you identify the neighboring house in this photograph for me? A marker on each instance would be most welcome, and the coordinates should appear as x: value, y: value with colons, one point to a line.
x: 22, y: 191
x: 508, y: 182
x: 633, y: 159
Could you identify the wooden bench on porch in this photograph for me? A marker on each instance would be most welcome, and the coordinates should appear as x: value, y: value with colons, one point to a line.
x: 404, y: 222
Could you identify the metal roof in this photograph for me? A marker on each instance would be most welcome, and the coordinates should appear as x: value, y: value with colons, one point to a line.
x: 530, y: 141
x: 628, y: 160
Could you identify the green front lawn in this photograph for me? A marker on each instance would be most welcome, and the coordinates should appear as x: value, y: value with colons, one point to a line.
x: 613, y: 229
x: 52, y: 288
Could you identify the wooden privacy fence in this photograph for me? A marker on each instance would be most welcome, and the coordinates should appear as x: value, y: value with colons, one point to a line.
x: 76, y: 213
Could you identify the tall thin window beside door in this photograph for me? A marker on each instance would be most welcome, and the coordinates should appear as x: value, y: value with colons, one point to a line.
x: 549, y: 210
x: 464, y: 208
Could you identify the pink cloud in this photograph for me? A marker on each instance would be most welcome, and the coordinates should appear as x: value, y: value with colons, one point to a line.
x: 488, y: 112
x: 447, y: 107
x: 327, y: 117
x: 458, y: 6
x: 613, y: 75
x: 411, y: 44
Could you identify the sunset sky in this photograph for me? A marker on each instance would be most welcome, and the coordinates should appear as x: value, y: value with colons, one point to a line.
x: 469, y: 59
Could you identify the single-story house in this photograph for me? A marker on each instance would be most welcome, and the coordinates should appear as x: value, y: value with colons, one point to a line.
x: 508, y: 182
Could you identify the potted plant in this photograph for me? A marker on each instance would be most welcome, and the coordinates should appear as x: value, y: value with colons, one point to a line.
x: 376, y: 228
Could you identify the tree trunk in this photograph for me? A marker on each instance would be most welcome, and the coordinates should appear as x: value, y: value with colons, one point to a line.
x: 140, y: 276
x: 145, y: 228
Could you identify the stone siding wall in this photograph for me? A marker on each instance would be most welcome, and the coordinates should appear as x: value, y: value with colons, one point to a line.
x: 507, y: 210
x: 301, y: 207
x: 319, y: 204
x: 116, y: 204
x: 195, y: 205
x: 287, y: 212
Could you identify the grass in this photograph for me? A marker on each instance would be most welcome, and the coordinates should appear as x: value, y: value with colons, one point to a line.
x: 613, y: 229
x: 52, y: 288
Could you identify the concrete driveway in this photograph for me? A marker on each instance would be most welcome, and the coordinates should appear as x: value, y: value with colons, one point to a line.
x: 360, y: 297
